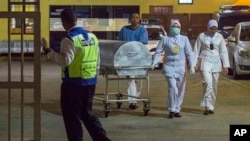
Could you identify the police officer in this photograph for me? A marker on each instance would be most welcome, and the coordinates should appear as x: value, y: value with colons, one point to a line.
x: 79, y: 58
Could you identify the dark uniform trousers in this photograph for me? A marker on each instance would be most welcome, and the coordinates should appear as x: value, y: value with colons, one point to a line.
x: 76, y: 106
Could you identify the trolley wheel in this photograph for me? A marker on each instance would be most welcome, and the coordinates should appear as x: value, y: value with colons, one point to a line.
x: 119, y: 97
x: 106, y: 109
x: 146, y: 107
x: 106, y: 114
x: 146, y: 112
x: 119, y: 105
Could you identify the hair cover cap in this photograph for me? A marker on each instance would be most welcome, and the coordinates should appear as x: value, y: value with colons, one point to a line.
x: 212, y: 23
x: 175, y: 22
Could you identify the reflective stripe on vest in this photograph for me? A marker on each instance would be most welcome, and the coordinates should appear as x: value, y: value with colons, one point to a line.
x: 86, y: 52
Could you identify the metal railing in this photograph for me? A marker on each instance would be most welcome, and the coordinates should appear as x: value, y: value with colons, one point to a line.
x: 14, y: 83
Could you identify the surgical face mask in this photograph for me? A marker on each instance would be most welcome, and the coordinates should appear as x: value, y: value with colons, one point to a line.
x: 175, y: 31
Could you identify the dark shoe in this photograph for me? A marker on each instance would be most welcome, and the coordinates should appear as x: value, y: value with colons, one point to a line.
x: 210, y: 112
x: 171, y: 115
x: 177, y: 115
x: 206, y: 112
x: 133, y: 106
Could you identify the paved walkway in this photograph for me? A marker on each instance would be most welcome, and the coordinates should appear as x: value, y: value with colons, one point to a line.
x: 131, y: 125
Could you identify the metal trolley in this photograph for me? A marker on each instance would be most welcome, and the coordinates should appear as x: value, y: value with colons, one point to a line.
x: 121, y: 60
x: 109, y: 75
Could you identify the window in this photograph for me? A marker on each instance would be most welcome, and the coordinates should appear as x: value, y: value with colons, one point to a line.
x: 25, y: 25
x: 185, y: 1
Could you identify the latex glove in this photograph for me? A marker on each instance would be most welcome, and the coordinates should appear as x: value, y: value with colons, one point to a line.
x: 152, y: 67
x: 192, y: 70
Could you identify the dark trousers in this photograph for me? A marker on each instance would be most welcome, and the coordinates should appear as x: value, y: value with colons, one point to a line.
x: 76, y: 106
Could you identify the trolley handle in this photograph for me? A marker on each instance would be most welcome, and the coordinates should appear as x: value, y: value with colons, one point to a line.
x: 134, y: 67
